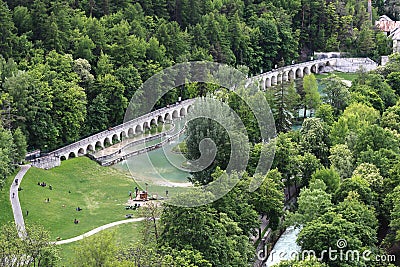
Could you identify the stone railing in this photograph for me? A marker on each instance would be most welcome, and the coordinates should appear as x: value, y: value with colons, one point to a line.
x: 142, y: 150
x: 134, y: 143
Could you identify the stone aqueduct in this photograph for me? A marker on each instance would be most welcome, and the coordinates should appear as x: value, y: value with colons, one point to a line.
x: 114, y: 134
x: 125, y: 130
x: 128, y: 129
x: 292, y: 72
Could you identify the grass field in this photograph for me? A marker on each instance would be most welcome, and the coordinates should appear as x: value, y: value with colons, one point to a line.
x: 6, y: 214
x: 123, y: 234
x: 342, y: 75
x: 101, y: 193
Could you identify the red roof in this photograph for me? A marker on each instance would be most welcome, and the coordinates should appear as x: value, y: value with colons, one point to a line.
x: 387, y: 26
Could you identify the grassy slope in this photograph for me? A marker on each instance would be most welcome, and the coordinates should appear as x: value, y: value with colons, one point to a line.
x: 6, y: 214
x: 101, y: 193
x: 123, y: 234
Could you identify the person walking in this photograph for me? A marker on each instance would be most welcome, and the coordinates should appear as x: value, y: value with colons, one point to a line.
x: 27, y: 212
x: 13, y: 195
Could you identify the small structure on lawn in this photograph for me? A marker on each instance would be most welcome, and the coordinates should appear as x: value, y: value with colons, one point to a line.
x: 142, y: 196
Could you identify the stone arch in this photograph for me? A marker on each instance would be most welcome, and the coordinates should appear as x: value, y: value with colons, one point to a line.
x: 273, y: 80
x: 115, y: 138
x: 182, y: 112
x: 285, y: 76
x: 160, y: 119
x: 321, y: 68
x: 107, y: 142
x: 63, y: 158
x: 122, y: 135
x: 98, y: 145
x: 189, y: 108
x: 138, y: 129
x: 306, y: 70
x: 279, y: 77
x: 262, y: 84
x: 153, y: 122
x: 71, y: 155
x: 89, y: 148
x: 299, y: 73
x: 167, y: 117
x: 267, y: 82
x: 175, y: 114
x: 81, y: 152
x: 145, y: 126
x: 291, y: 76
x: 131, y: 132
x: 314, y: 69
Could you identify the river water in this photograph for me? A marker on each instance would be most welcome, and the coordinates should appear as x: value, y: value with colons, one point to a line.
x: 161, y: 169
x: 285, y: 248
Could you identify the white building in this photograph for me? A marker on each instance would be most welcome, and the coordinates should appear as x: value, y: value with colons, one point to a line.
x: 392, y: 29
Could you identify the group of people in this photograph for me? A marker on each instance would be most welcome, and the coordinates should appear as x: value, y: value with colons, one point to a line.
x: 136, y: 206
x: 43, y: 184
x: 77, y: 209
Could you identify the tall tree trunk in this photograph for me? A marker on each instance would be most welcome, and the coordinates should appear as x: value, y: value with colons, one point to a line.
x: 155, y: 228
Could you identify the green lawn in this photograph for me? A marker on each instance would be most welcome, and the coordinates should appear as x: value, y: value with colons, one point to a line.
x: 123, y: 234
x: 342, y: 75
x: 6, y: 214
x: 101, y: 192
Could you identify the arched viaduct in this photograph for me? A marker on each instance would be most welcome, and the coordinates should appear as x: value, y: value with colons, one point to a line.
x: 114, y: 135
x: 292, y: 72
x: 130, y: 128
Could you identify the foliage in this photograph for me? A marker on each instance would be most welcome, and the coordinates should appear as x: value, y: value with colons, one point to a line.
x: 395, y: 213
x: 35, y: 249
x: 308, y: 164
x: 354, y: 117
x: 311, y: 98
x: 325, y: 231
x: 268, y: 198
x: 222, y: 129
x: 354, y: 184
x: 217, y: 236
x: 313, y: 202
x: 329, y: 176
x: 285, y: 159
x: 362, y: 215
x: 342, y: 160
x: 284, y: 101
x: 12, y: 150
x: 99, y: 251
x: 335, y: 93
x: 325, y: 113
x: 314, y: 138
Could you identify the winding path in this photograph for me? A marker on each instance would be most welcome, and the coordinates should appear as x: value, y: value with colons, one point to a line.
x: 16, y: 206
x: 96, y: 230
x: 19, y: 218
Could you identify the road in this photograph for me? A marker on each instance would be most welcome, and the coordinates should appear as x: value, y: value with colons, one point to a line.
x: 16, y: 206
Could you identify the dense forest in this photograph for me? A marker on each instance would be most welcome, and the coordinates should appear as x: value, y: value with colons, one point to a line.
x: 69, y: 68
x: 66, y: 65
